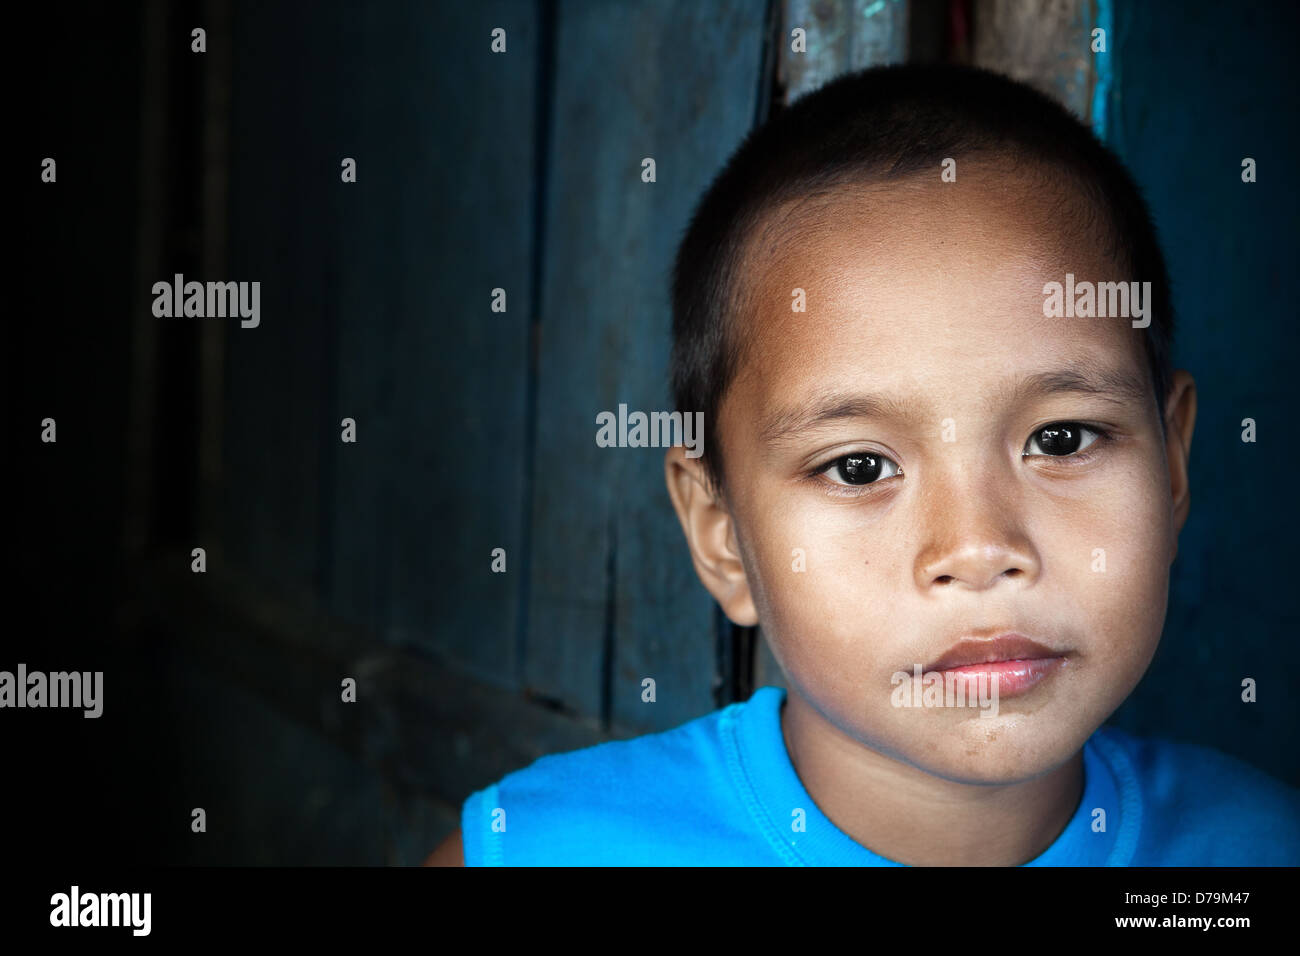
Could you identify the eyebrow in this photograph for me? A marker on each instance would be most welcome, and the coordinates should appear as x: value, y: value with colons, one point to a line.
x: 1120, y: 387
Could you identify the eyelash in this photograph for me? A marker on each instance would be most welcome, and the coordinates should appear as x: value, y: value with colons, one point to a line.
x: 1081, y: 457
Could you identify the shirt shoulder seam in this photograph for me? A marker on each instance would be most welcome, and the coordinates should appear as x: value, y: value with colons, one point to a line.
x: 744, y: 785
x: 1112, y: 754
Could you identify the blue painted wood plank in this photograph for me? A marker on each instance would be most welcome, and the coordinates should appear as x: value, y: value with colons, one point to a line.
x: 440, y: 218
x: 376, y: 303
x: 614, y: 598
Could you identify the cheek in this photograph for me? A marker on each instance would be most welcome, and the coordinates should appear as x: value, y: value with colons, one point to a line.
x: 822, y: 574
x: 1109, y: 550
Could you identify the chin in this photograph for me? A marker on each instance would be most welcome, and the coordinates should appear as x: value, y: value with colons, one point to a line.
x: 996, y: 753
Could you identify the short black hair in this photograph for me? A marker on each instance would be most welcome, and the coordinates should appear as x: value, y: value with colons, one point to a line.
x: 876, y: 125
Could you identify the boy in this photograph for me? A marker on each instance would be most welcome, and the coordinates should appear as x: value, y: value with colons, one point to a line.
x: 927, y: 316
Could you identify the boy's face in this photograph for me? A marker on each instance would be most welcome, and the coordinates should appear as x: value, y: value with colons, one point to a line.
x: 924, y: 352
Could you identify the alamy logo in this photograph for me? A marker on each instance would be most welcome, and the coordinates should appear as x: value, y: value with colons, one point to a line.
x: 945, y: 689
x: 59, y: 689
x: 208, y: 300
x: 102, y: 909
x: 1100, y: 300
x: 656, y: 430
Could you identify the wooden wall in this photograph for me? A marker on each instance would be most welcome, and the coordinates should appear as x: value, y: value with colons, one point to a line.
x: 475, y: 428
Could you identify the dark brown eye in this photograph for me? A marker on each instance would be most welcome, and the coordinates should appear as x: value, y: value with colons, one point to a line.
x: 860, y: 468
x: 1060, y: 439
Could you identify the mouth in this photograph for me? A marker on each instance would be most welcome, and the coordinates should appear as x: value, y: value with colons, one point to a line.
x: 1014, y: 661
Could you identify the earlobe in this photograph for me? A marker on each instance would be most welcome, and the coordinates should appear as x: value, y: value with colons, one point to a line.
x: 711, y: 536
x: 1180, y: 422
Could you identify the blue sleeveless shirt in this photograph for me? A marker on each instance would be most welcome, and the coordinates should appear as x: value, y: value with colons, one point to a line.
x: 721, y: 791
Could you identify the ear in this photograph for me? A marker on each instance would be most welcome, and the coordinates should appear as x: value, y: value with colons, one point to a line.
x: 1180, y: 419
x: 710, y: 534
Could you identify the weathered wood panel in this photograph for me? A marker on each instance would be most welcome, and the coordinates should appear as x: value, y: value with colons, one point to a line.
x: 376, y: 306
x: 278, y: 374
x: 840, y: 36
x: 425, y: 724
x: 614, y: 598
x: 1045, y: 43
x: 435, y: 379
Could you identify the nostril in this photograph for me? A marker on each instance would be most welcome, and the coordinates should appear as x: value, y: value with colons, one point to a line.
x: 944, y: 579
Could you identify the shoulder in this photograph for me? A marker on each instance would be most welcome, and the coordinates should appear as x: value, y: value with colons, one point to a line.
x: 450, y: 852
x: 1199, y: 806
x: 618, y: 802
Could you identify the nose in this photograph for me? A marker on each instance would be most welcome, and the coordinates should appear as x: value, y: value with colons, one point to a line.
x: 972, y: 536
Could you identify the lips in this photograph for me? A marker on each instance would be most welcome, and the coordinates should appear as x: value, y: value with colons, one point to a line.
x: 1006, y: 647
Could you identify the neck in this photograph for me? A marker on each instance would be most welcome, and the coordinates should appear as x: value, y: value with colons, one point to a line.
x: 911, y: 816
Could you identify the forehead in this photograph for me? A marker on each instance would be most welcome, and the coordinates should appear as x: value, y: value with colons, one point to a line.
x: 930, y: 289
